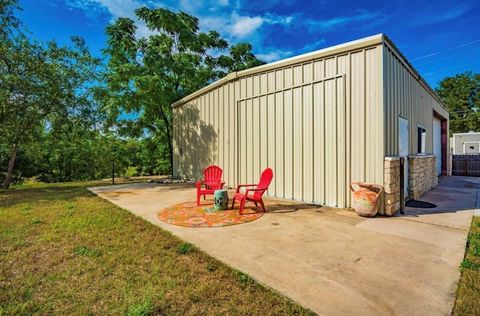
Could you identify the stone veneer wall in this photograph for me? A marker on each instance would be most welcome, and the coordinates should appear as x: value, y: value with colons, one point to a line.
x: 422, y: 175
x: 391, y: 182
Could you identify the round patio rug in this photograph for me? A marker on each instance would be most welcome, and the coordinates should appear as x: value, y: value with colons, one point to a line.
x: 190, y: 215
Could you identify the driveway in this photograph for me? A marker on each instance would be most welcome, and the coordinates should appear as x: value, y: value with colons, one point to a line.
x: 330, y: 260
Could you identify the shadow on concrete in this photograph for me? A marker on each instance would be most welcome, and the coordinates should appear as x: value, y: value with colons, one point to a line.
x: 419, y: 204
x: 275, y: 207
x: 452, y: 194
x: 177, y: 186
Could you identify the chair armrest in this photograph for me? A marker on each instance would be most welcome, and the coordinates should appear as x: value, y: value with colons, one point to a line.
x: 245, y: 185
x: 253, y: 190
x: 198, y: 184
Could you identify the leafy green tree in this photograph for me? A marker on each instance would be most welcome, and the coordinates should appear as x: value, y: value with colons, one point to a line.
x: 38, y: 85
x: 67, y: 154
x: 240, y: 57
x: 461, y: 94
x: 9, y: 24
x: 146, y: 75
x: 52, y: 126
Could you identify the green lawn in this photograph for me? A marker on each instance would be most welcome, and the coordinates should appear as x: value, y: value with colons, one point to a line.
x: 468, y: 295
x: 65, y: 251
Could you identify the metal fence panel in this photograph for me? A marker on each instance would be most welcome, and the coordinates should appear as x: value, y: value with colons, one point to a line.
x: 466, y: 165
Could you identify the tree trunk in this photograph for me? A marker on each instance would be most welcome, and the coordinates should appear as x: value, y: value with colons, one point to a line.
x: 113, y: 172
x: 170, y: 141
x: 170, y: 153
x: 51, y: 172
x: 11, y: 164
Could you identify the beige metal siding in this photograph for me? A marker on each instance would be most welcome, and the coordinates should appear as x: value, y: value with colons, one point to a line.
x: 317, y: 123
x: 406, y: 96
x: 298, y: 136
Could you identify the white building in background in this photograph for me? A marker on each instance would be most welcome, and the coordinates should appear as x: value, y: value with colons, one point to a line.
x: 465, y: 143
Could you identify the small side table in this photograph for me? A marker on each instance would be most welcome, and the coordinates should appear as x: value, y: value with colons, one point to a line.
x: 221, y: 200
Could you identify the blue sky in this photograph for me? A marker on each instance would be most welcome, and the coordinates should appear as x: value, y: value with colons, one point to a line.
x: 440, y: 38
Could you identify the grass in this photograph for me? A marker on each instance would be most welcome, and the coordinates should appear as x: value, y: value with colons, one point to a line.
x: 468, y: 295
x: 64, y: 251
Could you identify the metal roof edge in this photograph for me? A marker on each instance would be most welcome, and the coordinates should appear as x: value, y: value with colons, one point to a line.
x: 422, y: 81
x: 467, y: 133
x: 324, y: 52
x: 219, y: 82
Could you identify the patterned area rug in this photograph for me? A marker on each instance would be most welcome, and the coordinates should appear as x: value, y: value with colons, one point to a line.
x: 190, y: 215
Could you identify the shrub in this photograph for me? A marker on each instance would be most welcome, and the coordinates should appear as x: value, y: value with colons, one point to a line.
x: 184, y: 248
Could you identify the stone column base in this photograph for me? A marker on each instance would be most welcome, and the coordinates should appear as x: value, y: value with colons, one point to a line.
x: 391, y: 182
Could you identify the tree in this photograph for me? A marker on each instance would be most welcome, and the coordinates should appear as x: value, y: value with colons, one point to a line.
x: 146, y: 75
x: 461, y: 95
x: 240, y: 57
x: 39, y: 85
x: 8, y: 22
x: 63, y: 115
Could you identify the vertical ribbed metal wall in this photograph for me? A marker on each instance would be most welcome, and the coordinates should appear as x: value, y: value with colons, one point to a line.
x: 405, y: 96
x: 318, y: 124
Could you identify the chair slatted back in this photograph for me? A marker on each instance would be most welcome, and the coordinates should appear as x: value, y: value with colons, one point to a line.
x: 212, y: 176
x: 264, y: 183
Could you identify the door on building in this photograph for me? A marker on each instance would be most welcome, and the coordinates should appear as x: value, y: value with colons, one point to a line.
x: 403, y: 149
x: 301, y: 134
x: 437, y: 143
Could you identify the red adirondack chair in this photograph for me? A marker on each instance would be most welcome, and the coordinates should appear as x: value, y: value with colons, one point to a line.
x: 254, y: 194
x: 212, y: 180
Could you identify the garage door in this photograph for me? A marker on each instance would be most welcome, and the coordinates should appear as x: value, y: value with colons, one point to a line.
x: 300, y: 133
x: 437, y: 143
x: 403, y: 149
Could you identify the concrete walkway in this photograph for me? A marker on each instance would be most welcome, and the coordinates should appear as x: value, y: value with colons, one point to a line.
x: 331, y: 260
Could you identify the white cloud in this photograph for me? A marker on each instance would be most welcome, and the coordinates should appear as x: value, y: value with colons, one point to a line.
x: 143, y: 30
x: 220, y: 15
x: 121, y: 8
x: 278, y: 19
x: 116, y: 8
x: 213, y: 23
x: 338, y: 21
x: 92, y: 8
x: 245, y: 25
x: 444, y: 15
x: 189, y: 5
x: 215, y: 16
x: 274, y: 55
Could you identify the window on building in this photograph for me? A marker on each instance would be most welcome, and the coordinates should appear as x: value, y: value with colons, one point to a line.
x: 421, y: 138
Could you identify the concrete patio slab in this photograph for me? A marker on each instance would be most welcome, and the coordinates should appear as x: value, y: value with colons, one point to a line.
x: 331, y: 260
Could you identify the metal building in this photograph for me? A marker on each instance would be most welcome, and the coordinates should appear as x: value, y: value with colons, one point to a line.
x: 465, y: 143
x: 320, y: 120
